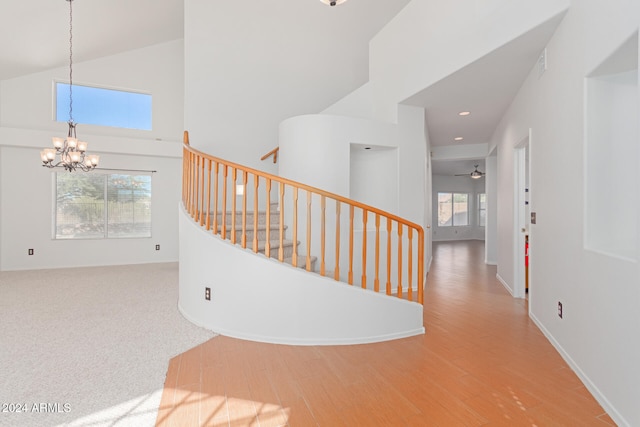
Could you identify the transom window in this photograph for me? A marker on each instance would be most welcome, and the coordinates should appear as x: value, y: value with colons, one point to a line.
x: 453, y: 209
x: 104, y: 107
x: 101, y: 206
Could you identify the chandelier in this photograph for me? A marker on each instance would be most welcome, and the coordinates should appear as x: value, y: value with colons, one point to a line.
x: 72, y: 152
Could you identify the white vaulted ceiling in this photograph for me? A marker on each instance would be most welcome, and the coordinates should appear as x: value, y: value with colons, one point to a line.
x: 35, y: 37
x: 35, y: 33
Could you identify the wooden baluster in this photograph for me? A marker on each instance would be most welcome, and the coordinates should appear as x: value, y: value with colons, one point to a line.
x: 294, y: 258
x: 244, y: 209
x: 336, y: 273
x: 234, y: 177
x: 215, y: 198
x: 351, y: 209
x: 421, y: 266
x: 267, y: 243
x: 399, y: 260
x: 281, y: 224
x: 202, y: 193
x: 194, y: 184
x: 209, y: 195
x: 185, y: 176
x: 187, y: 184
x: 410, y: 265
x: 388, y: 256
x: 364, y: 248
x: 308, y: 266
x: 376, y: 282
x: 256, y: 184
x: 224, y: 202
x: 194, y: 213
x: 323, y: 207
x: 187, y: 187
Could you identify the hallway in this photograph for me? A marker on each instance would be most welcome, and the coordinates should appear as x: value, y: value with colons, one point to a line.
x: 482, y: 361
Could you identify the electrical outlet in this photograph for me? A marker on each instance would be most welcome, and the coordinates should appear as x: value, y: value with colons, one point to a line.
x: 30, y: 251
x: 157, y: 247
x: 207, y: 294
x: 559, y: 309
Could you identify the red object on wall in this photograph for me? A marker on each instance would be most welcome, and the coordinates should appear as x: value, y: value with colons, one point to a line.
x: 526, y: 252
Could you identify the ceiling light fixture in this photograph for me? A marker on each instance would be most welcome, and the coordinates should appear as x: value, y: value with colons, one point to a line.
x: 333, y: 2
x: 476, y: 174
x: 464, y: 113
x: 458, y: 138
x: 72, y: 152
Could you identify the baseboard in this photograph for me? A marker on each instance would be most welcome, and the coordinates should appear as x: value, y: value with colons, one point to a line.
x: 297, y: 341
x: 593, y: 389
x: 501, y: 280
x: 323, y: 341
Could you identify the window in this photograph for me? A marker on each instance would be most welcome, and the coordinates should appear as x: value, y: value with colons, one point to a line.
x: 104, y: 107
x: 453, y: 209
x: 99, y: 206
x: 482, y: 209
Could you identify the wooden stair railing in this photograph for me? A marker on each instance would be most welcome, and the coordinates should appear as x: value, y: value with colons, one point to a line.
x: 273, y: 153
x: 203, y: 175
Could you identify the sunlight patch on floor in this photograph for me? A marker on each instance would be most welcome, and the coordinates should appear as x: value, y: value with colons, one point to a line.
x: 140, y: 411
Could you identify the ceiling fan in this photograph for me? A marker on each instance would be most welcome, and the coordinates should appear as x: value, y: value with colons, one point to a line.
x: 476, y: 174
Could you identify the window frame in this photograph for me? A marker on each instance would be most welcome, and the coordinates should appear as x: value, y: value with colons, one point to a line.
x: 106, y: 208
x: 453, y: 194
x: 481, y: 209
x: 65, y: 101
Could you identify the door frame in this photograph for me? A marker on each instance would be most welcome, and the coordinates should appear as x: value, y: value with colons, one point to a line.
x: 521, y: 224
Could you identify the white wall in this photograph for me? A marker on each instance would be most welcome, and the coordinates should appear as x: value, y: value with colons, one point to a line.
x: 429, y: 40
x: 252, y: 64
x: 317, y: 149
x: 491, y: 229
x: 458, y: 184
x: 26, y: 187
x: 256, y: 298
x: 598, y: 334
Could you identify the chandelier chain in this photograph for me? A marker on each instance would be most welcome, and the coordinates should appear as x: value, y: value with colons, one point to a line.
x: 70, y: 152
x: 70, y: 61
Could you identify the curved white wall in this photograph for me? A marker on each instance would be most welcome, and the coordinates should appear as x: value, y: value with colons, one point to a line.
x: 320, y: 150
x: 259, y: 299
x: 315, y: 149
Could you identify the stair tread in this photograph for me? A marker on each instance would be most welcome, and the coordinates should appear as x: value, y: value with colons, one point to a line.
x: 250, y: 212
x: 301, y: 261
x: 249, y: 227
x: 274, y: 244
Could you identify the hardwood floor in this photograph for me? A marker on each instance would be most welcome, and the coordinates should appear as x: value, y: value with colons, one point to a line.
x: 481, y: 362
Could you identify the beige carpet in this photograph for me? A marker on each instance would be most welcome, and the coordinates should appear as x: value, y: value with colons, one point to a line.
x: 89, y: 346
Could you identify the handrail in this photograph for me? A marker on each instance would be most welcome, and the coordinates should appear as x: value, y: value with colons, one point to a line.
x: 197, y: 192
x: 273, y: 153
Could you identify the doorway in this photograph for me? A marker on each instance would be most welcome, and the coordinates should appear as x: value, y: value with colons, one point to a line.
x: 522, y: 217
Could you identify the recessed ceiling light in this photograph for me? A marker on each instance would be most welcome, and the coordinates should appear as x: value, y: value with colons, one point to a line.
x: 464, y: 113
x: 458, y: 138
